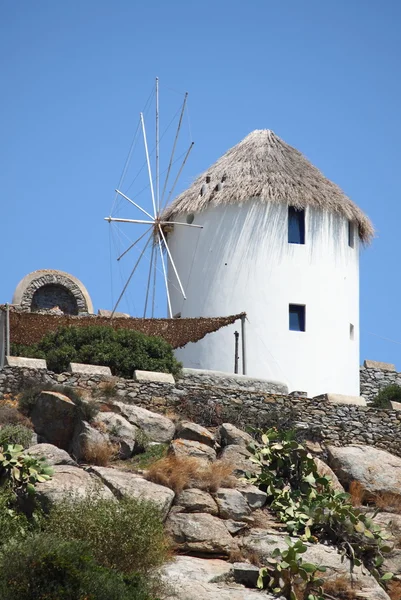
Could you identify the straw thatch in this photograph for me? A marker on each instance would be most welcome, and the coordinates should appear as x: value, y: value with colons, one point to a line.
x: 263, y: 166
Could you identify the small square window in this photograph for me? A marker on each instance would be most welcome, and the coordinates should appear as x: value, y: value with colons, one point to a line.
x: 297, y: 317
x: 351, y: 234
x: 351, y: 331
x: 296, y: 226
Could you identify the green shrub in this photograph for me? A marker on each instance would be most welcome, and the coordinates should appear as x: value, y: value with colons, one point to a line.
x: 19, y: 472
x: 15, y: 434
x: 31, y: 391
x: 127, y: 536
x: 391, y: 393
x: 13, y: 523
x: 122, y: 350
x: 43, y: 567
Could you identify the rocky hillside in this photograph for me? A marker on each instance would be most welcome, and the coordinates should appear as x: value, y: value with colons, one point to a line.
x: 209, y: 490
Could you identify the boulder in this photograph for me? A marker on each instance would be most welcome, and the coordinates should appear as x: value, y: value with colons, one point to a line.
x: 234, y: 527
x: 229, y: 434
x: 238, y: 455
x: 325, y: 471
x: 246, y: 573
x: 86, y: 438
x: 191, y: 431
x: 68, y: 480
x: 253, y: 495
x: 184, y: 589
x: 157, y: 427
x: 232, y: 504
x: 52, y: 454
x: 53, y: 417
x: 181, y: 448
x: 129, y: 484
x: 193, y: 500
x: 262, y: 544
x: 120, y: 430
x: 209, y: 570
x: 199, y: 533
x: 377, y: 471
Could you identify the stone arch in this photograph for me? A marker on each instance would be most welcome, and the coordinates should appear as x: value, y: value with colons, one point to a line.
x: 45, y: 289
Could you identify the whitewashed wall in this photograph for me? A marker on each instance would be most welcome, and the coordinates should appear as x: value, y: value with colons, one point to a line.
x: 241, y: 261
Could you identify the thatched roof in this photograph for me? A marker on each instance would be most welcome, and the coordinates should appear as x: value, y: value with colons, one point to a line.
x: 263, y: 166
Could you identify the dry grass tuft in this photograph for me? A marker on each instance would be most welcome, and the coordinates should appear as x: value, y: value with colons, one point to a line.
x: 244, y: 555
x: 107, y: 389
x: 394, y: 589
x: 388, y: 502
x: 357, y: 493
x: 340, y: 588
x: 100, y: 426
x: 99, y: 453
x: 180, y: 473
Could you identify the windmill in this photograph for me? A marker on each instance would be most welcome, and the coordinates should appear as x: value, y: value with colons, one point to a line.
x: 155, y: 235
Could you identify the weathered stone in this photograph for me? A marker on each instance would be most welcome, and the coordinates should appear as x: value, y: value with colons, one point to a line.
x: 234, y: 527
x: 232, y: 504
x: 246, y: 573
x: 230, y: 434
x: 157, y: 427
x: 102, y: 312
x: 129, y: 484
x: 52, y: 454
x: 191, y: 431
x: 377, y: 471
x: 199, y: 532
x: 374, y: 364
x: 120, y: 430
x: 325, y: 471
x: 239, y: 457
x: 253, y: 495
x: 395, y: 405
x: 153, y: 376
x: 181, y: 447
x: 342, y: 399
x: 85, y: 440
x: 184, y: 589
x: 193, y: 500
x: 82, y: 369
x: 53, y: 418
x: 67, y: 481
x: 24, y: 362
x: 211, y: 570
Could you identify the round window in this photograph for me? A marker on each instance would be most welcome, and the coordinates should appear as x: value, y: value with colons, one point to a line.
x: 190, y: 218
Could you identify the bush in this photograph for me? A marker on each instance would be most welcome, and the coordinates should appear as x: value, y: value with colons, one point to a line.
x: 43, y: 567
x: 15, y: 434
x: 391, y: 393
x: 13, y: 523
x: 127, y: 536
x: 122, y: 350
x: 10, y: 415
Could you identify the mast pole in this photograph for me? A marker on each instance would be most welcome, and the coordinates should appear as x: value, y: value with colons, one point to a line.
x: 157, y: 148
x: 148, y: 163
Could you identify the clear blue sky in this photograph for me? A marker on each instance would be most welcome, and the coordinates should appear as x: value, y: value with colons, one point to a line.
x: 325, y: 76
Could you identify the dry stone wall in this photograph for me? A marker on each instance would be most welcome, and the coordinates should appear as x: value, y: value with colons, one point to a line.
x: 211, y: 405
x: 374, y: 376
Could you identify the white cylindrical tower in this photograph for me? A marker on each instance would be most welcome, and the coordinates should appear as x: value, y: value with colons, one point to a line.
x: 279, y: 242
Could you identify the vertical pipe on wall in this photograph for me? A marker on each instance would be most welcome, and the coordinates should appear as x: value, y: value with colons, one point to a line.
x: 236, y: 357
x: 243, y: 340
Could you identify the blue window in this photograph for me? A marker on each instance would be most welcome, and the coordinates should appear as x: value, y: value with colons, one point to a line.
x: 296, y: 226
x: 297, y: 317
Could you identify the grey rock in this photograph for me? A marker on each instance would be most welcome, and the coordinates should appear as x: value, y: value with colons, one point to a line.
x: 153, y: 376
x: 209, y: 570
x: 185, y: 589
x: 129, y: 484
x: 53, y: 418
x: 180, y: 447
x: 377, y: 471
x: 253, y: 495
x: 157, y: 427
x: 230, y: 434
x: 199, y: 532
x: 239, y: 457
x: 52, y: 454
x: 120, y: 430
x: 232, y: 504
x: 86, y: 438
x: 325, y: 471
x: 246, y: 573
x: 193, y: 500
x: 191, y: 431
x: 82, y: 369
x: 70, y: 481
x: 234, y: 527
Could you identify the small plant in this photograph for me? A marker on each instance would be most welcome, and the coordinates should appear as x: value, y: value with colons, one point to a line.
x: 141, y: 441
x: 107, y: 389
x: 10, y: 415
x: 20, y: 472
x: 144, y: 460
x: 391, y: 393
x: 341, y: 588
x: 15, y: 434
x: 133, y: 529
x: 179, y: 473
x: 99, y: 453
x: 289, y: 575
x: 357, y: 494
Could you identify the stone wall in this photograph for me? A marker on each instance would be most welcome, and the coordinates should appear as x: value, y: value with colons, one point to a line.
x: 375, y: 376
x: 210, y: 405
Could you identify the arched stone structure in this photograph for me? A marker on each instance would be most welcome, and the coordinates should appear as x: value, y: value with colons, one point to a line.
x: 47, y: 288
